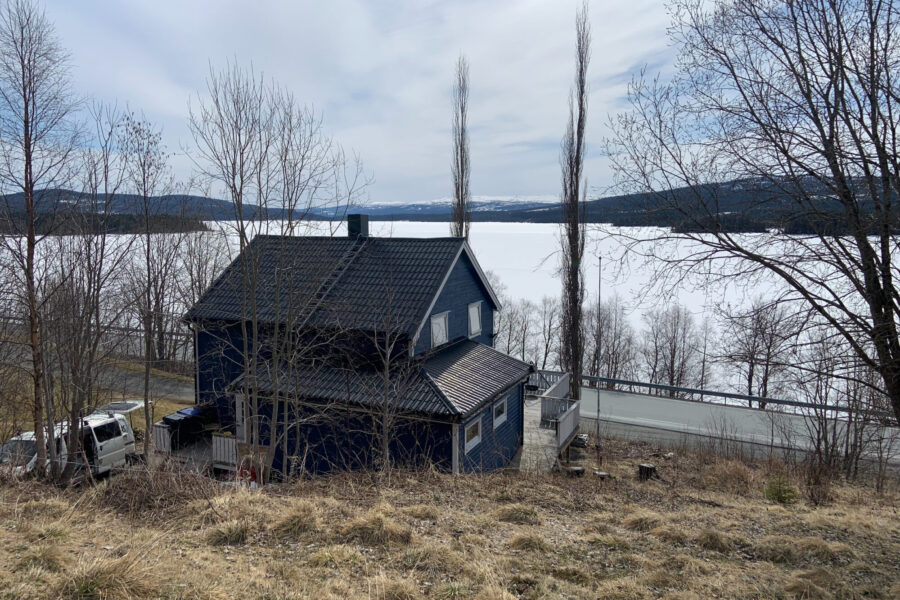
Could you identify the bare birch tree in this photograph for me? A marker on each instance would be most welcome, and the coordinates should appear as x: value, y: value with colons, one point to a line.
x: 759, y: 342
x: 80, y: 296
x: 459, y: 224
x: 573, y: 191
x: 149, y: 177
x: 796, y: 103
x: 37, y: 138
x: 669, y: 347
x: 272, y: 159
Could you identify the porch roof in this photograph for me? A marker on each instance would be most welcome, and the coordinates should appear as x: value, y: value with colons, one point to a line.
x: 454, y: 381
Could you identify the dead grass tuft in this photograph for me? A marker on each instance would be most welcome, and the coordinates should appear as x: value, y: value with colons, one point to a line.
x: 452, y: 590
x: 237, y: 505
x: 493, y: 592
x: 530, y: 542
x: 642, y: 521
x: 230, y: 533
x: 520, y: 514
x: 789, y: 550
x: 376, y: 529
x: 423, y: 512
x: 46, y: 508
x: 127, y: 578
x: 433, y: 559
x: 776, y: 549
x: 662, y: 579
x: 622, y: 588
x: 572, y: 574
x: 333, y: 557
x: 711, y: 539
x: 610, y: 542
x: 153, y: 493
x: 386, y: 588
x: 671, y: 534
x: 805, y: 589
x: 300, y: 519
x: 48, y: 558
x: 729, y: 476
x: 56, y: 531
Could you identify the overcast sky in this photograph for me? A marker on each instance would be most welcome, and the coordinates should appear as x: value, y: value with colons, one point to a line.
x: 382, y: 75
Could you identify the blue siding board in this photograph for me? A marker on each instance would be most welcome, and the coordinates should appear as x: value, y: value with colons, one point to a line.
x: 498, y: 445
x: 349, y: 440
x: 462, y: 288
x: 219, y: 362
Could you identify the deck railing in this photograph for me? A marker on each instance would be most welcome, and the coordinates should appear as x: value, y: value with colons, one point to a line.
x: 224, y: 448
x: 567, y: 425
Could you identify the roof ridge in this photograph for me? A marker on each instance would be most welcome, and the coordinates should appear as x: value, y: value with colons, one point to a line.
x: 440, y: 394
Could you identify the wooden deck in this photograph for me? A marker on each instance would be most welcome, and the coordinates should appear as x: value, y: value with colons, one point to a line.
x: 539, y: 450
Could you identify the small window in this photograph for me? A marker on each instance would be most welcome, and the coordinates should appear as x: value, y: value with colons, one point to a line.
x: 499, y: 413
x: 473, y: 434
x: 438, y: 330
x: 474, y: 319
x: 107, y: 431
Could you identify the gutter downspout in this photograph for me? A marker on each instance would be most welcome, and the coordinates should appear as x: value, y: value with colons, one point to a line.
x: 455, y: 442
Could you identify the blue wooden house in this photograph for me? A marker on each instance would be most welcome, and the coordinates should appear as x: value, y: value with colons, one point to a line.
x: 335, y: 352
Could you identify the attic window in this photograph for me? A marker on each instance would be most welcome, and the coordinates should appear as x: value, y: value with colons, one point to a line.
x: 473, y: 434
x: 474, y: 319
x: 438, y: 329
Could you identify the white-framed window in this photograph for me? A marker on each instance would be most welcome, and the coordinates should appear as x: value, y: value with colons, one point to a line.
x: 473, y: 434
x: 474, y: 319
x: 439, y: 329
x: 499, y: 412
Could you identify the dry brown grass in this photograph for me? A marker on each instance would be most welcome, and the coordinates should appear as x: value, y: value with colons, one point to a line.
x: 714, y: 540
x: 425, y: 535
x: 530, y: 542
x: 128, y: 577
x: 229, y: 533
x: 48, y: 558
x: 300, y: 519
x: 377, y: 529
x: 520, y: 514
x: 642, y: 521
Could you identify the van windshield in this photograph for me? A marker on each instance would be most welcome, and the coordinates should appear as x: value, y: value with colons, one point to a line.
x: 17, y: 452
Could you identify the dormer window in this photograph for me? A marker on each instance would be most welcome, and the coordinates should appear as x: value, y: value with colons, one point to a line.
x: 474, y: 319
x: 439, y: 329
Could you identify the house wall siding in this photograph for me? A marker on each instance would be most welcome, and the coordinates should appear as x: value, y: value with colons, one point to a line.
x: 320, y: 442
x: 498, y: 445
x: 219, y: 362
x: 462, y: 288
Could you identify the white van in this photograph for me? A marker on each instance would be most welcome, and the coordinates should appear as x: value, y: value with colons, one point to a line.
x: 107, y: 442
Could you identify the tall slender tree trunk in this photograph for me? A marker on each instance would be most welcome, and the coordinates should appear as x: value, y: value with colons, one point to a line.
x: 34, y: 317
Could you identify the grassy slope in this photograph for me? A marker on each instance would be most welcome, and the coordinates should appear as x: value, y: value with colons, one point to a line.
x: 705, y: 531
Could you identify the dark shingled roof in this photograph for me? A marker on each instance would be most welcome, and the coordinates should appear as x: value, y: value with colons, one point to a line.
x: 455, y: 380
x: 361, y: 283
x: 468, y: 373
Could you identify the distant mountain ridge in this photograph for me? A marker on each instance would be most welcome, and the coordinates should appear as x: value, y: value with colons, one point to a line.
x: 742, y: 205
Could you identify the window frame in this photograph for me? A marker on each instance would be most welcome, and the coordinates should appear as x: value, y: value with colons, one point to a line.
x: 471, y: 444
x: 502, y: 401
x: 446, y: 317
x: 480, y: 318
x: 107, y: 428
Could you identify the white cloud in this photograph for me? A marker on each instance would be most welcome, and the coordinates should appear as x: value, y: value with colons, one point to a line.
x: 381, y: 73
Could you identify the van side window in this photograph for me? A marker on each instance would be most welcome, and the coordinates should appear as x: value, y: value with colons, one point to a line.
x: 107, y: 431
